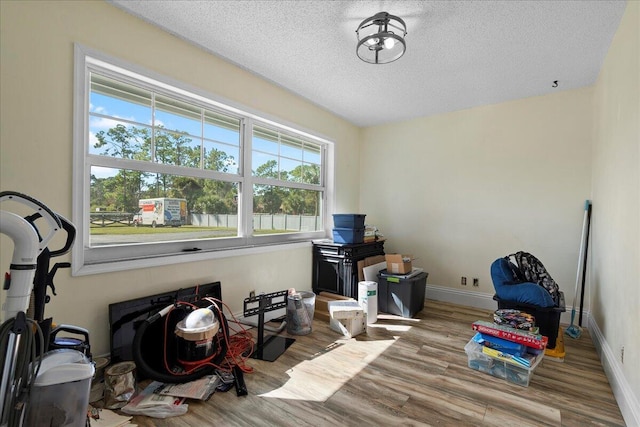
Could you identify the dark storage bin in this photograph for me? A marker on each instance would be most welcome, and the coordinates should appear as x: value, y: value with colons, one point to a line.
x: 547, y: 318
x: 348, y: 220
x: 402, y: 297
x: 348, y: 235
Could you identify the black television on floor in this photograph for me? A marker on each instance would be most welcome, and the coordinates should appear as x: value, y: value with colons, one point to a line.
x: 125, y: 316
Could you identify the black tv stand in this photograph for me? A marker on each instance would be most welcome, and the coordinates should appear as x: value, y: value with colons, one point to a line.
x: 273, y: 346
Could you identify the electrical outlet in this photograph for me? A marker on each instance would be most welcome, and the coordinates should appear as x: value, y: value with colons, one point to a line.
x: 463, y: 281
x: 476, y: 282
x: 622, y: 354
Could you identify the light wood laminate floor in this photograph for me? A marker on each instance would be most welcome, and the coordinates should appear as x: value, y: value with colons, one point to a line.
x: 407, y: 372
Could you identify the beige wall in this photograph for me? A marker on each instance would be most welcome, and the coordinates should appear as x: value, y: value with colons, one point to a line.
x: 615, y: 269
x: 459, y: 190
x: 36, y: 87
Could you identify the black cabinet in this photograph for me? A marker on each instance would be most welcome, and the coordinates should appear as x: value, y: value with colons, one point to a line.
x: 335, y: 265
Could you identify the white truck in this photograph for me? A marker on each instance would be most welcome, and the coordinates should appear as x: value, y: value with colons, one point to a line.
x: 161, y: 211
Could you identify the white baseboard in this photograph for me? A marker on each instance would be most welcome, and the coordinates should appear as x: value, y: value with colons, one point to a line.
x: 627, y: 401
x: 462, y: 297
x: 482, y: 300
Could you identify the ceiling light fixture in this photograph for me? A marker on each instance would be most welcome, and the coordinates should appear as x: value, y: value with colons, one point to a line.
x: 381, y: 38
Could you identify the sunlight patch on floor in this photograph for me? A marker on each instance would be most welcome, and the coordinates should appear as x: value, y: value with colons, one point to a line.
x: 385, y: 317
x: 391, y: 328
x: 319, y: 378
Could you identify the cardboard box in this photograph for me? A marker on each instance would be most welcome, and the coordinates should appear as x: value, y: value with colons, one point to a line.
x: 366, y: 263
x: 322, y: 305
x: 347, y: 318
x: 322, y: 315
x: 335, y: 296
x: 398, y: 263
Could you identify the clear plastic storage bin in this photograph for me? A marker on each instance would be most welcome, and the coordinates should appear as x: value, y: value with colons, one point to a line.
x: 513, y: 373
x: 60, y: 392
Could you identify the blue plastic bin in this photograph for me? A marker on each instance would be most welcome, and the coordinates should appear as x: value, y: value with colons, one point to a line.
x: 348, y: 235
x: 348, y: 220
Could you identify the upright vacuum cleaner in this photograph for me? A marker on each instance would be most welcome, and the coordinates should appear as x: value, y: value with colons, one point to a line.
x: 37, y: 385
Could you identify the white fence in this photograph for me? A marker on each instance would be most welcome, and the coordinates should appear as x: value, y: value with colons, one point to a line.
x: 260, y: 221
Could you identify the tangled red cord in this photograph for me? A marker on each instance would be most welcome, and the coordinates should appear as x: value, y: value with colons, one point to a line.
x: 239, y: 346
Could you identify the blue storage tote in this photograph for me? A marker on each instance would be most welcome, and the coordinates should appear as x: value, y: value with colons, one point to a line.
x: 348, y: 235
x: 348, y: 220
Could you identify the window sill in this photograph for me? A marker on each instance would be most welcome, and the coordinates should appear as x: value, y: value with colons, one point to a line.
x: 113, y: 266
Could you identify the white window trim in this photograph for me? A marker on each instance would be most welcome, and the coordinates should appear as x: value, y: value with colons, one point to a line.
x: 242, y: 245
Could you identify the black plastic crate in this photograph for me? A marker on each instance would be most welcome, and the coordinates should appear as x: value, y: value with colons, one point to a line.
x: 402, y: 297
x: 547, y: 318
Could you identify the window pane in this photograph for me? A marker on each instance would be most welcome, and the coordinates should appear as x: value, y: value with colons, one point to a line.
x: 177, y: 149
x: 310, y: 174
x: 311, y: 153
x: 285, y: 157
x: 291, y: 148
x: 222, y: 143
x: 221, y: 128
x: 290, y: 170
x: 113, y: 106
x: 284, y: 210
x: 113, y: 98
x: 265, y: 140
x: 265, y: 165
x: 178, y: 116
x: 128, y: 207
x: 116, y: 139
x: 221, y: 157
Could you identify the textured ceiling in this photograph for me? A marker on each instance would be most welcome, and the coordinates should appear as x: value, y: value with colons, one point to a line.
x: 460, y: 54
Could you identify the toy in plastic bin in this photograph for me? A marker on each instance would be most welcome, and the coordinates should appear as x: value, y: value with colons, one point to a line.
x: 516, y: 319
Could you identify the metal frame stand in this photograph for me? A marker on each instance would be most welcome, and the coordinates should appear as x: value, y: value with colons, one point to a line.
x: 273, y: 346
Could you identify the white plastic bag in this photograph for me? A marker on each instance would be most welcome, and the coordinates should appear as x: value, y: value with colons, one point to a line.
x: 155, y: 405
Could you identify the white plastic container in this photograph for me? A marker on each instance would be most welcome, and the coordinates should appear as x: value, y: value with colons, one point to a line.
x: 368, y: 299
x: 60, y: 393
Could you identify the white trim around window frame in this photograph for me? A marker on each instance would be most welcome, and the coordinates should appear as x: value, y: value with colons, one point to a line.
x: 93, y: 260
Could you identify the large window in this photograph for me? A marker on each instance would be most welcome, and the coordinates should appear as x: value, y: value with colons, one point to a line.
x: 165, y: 173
